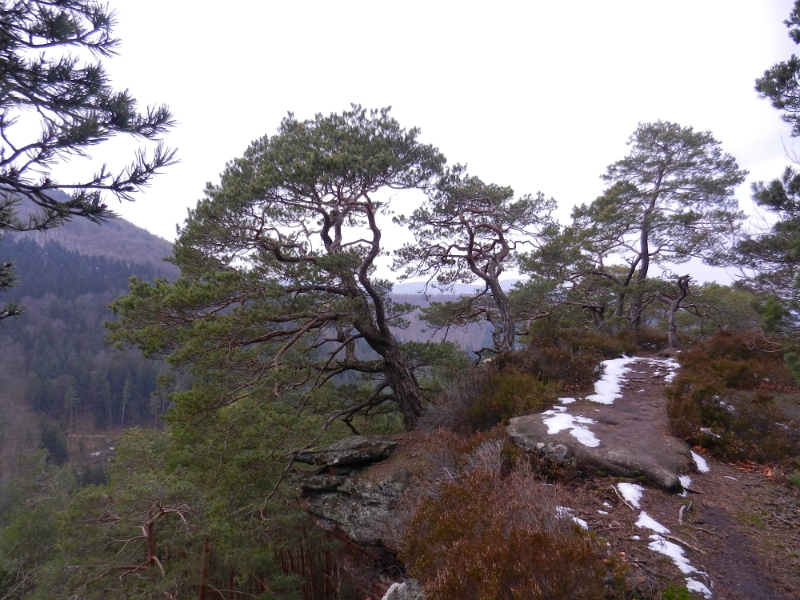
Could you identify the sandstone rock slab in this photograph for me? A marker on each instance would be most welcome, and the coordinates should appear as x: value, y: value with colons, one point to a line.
x: 357, y: 449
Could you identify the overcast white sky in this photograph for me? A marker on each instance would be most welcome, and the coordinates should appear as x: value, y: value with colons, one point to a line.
x: 539, y: 95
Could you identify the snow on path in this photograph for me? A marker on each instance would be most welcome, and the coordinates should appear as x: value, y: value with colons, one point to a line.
x: 396, y: 590
x: 608, y: 388
x: 701, y: 463
x: 563, y: 512
x: 660, y: 544
x: 558, y: 419
x: 632, y: 492
x: 647, y: 522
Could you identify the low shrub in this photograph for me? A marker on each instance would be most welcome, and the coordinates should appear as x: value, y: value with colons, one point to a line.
x: 718, y: 401
x: 510, y: 394
x: 484, y: 536
x: 488, y: 395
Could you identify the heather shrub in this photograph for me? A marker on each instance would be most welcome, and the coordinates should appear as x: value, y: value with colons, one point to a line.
x: 452, y: 410
x: 718, y: 401
x: 510, y: 394
x: 484, y: 536
x: 488, y: 395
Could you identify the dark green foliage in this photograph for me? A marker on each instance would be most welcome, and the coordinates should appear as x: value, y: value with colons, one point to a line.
x: 792, y: 360
x: 774, y: 257
x: 468, y: 229
x: 63, y: 367
x: 511, y: 394
x: 671, y: 199
x: 163, y: 525
x: 780, y: 83
x: 53, y: 269
x: 723, y: 400
x: 54, y: 440
x: 277, y: 263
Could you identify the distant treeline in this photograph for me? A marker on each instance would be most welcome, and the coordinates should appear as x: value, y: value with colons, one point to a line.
x: 70, y: 374
x: 53, y: 269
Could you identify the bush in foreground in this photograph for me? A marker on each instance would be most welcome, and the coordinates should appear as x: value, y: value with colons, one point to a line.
x: 487, y: 537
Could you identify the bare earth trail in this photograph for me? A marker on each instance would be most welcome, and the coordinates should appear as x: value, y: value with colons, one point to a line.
x: 742, y: 531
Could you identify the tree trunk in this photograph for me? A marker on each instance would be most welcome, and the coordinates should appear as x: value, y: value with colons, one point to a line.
x: 672, y: 328
x: 508, y: 335
x: 203, y: 591
x: 673, y: 305
x: 404, y: 384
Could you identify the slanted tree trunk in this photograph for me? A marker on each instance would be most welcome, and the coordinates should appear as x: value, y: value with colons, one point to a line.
x: 673, y: 305
x: 504, y: 342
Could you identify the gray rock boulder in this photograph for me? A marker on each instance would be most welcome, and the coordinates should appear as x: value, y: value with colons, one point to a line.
x: 363, y: 508
x: 357, y: 449
x: 631, y: 444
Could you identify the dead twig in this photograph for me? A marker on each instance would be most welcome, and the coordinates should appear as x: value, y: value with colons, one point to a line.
x: 684, y: 509
x: 684, y: 543
x: 625, y: 502
x: 696, y: 528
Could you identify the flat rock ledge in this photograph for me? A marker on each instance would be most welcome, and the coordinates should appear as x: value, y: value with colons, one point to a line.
x: 659, y: 458
x: 358, y: 449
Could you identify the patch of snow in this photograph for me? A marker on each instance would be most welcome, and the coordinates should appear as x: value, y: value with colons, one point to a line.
x: 696, y: 586
x: 566, y: 400
x: 606, y: 504
x: 641, y: 390
x: 729, y: 477
x: 635, y: 537
x: 647, y: 522
x: 675, y: 552
x: 706, y: 430
x: 607, y: 389
x: 632, y: 493
x: 398, y: 587
x: 677, y: 555
x: 95, y: 453
x: 559, y: 420
x: 686, y: 481
x: 564, y: 512
x: 701, y: 463
x: 670, y: 365
x: 602, y: 512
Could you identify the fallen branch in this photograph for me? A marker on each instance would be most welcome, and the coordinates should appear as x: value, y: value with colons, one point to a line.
x: 684, y: 543
x: 703, y: 530
x: 684, y: 509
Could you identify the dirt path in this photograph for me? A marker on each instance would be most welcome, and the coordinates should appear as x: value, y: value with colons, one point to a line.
x: 742, y: 533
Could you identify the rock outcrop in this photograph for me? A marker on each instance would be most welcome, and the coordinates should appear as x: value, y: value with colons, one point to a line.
x: 660, y: 459
x: 349, y: 452
x: 357, y: 504
x: 623, y: 434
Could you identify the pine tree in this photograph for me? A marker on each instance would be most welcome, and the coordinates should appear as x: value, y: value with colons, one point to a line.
x: 44, y: 84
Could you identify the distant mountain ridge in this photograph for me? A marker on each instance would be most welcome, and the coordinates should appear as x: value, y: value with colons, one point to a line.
x: 116, y: 239
x: 417, y: 287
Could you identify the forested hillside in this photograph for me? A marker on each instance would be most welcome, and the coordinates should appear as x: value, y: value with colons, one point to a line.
x: 59, y: 378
